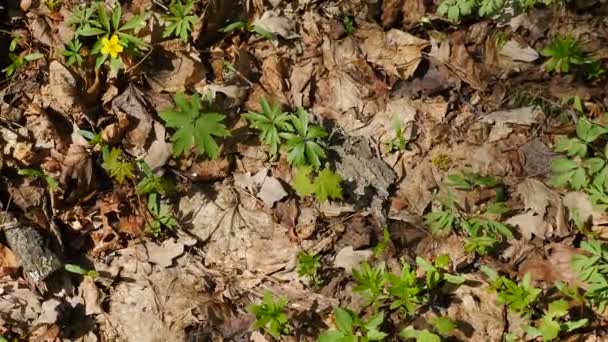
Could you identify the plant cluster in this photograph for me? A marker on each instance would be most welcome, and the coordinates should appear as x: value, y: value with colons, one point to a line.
x: 442, y: 326
x: 246, y: 26
x: 271, y: 315
x: 457, y: 10
x: 405, y: 291
x: 110, y: 33
x: 181, y: 20
x: 352, y: 328
x: 519, y: 297
x: 565, y: 51
x: 308, y: 266
x: 584, y: 165
x: 485, y: 230
x: 301, y: 140
x: 592, y: 268
x: 553, y: 322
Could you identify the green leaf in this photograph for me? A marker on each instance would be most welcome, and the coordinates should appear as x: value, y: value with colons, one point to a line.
x: 588, y: 131
x: 115, y: 166
x: 331, y: 336
x: 344, y: 320
x: 135, y: 23
x: 237, y: 25
x: 270, y: 122
x: 103, y: 16
x: 443, y: 325
x: 33, y: 56
x: 302, y: 183
x: 327, y: 186
x: 194, y: 128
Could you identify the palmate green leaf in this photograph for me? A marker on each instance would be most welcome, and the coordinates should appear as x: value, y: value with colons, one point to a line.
x: 572, y: 147
x: 588, y: 131
x: 194, y: 128
x: 303, y: 146
x: 302, y: 182
x: 180, y: 21
x: 490, y: 7
x: 270, y: 122
x: 327, y: 185
x: 443, y: 325
x: 114, y: 164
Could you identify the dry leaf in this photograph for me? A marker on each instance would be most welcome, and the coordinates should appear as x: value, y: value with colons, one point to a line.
x: 164, y: 254
x: 347, y: 258
x: 524, y: 116
x: 277, y: 24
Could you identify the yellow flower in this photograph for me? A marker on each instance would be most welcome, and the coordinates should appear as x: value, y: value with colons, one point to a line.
x: 111, y: 46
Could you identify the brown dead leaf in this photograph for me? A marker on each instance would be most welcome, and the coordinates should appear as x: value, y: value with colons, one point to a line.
x: 397, y: 52
x: 91, y: 295
x: 173, y: 71
x: 206, y: 170
x: 502, y: 120
x: 63, y: 90
x: 453, y: 54
x: 578, y: 203
x: 9, y: 264
x: 77, y: 165
x: 132, y: 225
x: 132, y: 102
x: 347, y: 258
x: 164, y: 254
x: 274, y: 73
x: 26, y: 195
x: 545, y: 217
x: 113, y: 133
x: 277, y: 24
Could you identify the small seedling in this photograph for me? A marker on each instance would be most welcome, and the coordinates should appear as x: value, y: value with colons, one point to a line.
x: 181, y: 20
x: 592, y: 268
x: 398, y: 143
x: 115, y: 165
x: 52, y: 182
x: 194, y: 127
x: 270, y: 122
x: 370, y: 282
x: 442, y: 325
x: 93, y: 138
x: 455, y: 10
x: 248, y: 27
x: 270, y: 315
x: 435, y: 272
x: 82, y: 271
x: 304, y: 145
x: 552, y: 324
x: 407, y: 290
x: 442, y: 221
x: 352, y: 328
x: 72, y: 52
x: 162, y: 217
x: 520, y: 298
x: 481, y: 245
x: 349, y: 24
x: 152, y: 183
x: 383, y: 243
x: 18, y: 61
x: 53, y: 5
x: 486, y: 225
x: 326, y: 184
x: 470, y: 180
x: 308, y: 266
x: 564, y: 52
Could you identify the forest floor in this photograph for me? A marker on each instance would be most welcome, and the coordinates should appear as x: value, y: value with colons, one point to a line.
x: 259, y: 170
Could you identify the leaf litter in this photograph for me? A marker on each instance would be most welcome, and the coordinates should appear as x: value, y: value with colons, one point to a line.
x: 179, y: 212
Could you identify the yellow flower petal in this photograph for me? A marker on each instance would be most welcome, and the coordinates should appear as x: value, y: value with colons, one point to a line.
x: 105, y: 49
x: 114, y: 40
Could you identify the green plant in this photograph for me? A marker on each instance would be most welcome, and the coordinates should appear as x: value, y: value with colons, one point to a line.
x: 152, y: 183
x: 93, y: 138
x: 457, y: 9
x: 181, y: 20
x: 370, y: 282
x: 270, y: 122
x: 485, y: 225
x: 18, y: 61
x: 52, y: 182
x: 72, y: 52
x: 112, y: 35
x: 442, y: 221
x: 194, y: 127
x: 467, y: 180
x: 552, y: 322
x: 53, y: 5
x: 592, y: 268
x: 398, y: 143
x: 114, y: 164
x: 352, y: 328
x: 435, y: 272
x: 480, y: 244
x: 303, y: 145
x: 383, y: 243
x: 248, y: 27
x: 326, y: 184
x: 270, y: 315
x: 407, y: 290
x: 308, y: 266
x: 349, y: 24
x: 564, y: 52
x: 520, y: 298
x: 581, y: 168
x: 162, y: 217
x: 82, y: 271
x: 442, y: 325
